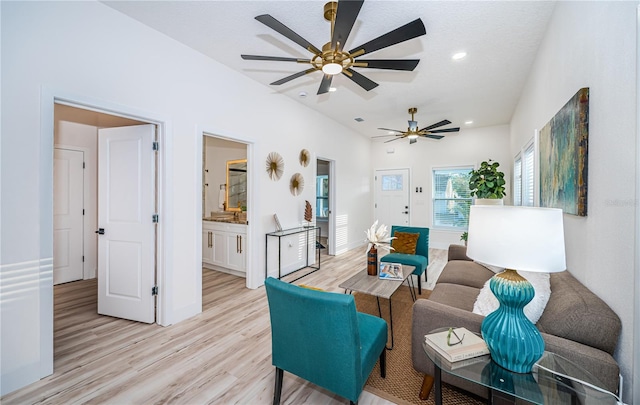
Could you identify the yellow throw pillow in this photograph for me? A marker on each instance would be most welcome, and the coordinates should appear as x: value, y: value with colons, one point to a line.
x: 405, y: 242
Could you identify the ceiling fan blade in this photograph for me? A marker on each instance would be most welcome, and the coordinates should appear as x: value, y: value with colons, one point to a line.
x: 408, y: 31
x: 293, y: 76
x: 276, y: 25
x: 412, y: 141
x: 436, y: 125
x: 394, y: 139
x: 439, y: 131
x: 394, y: 130
x: 433, y: 136
x: 274, y: 58
x: 325, y: 84
x: 345, y: 18
x: 385, y: 136
x: 361, y: 80
x: 395, y: 64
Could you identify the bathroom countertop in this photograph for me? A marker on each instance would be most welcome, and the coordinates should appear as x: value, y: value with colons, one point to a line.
x: 229, y: 219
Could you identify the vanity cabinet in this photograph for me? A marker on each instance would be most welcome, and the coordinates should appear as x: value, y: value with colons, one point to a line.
x: 224, y: 245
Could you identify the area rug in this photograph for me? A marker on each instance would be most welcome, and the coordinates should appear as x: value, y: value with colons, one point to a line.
x: 402, y: 384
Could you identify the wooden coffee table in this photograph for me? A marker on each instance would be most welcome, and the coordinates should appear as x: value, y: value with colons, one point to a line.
x: 363, y: 283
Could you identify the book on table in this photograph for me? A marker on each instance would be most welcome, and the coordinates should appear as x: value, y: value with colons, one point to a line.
x: 455, y: 344
x: 390, y: 271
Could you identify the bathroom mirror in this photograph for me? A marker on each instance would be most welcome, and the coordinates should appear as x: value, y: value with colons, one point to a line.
x: 236, y: 194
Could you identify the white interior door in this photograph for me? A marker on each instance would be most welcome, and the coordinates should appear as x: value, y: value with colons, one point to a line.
x: 126, y: 205
x: 67, y: 215
x: 392, y: 197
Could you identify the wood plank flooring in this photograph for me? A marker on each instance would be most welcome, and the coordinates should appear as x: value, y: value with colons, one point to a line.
x: 221, y: 356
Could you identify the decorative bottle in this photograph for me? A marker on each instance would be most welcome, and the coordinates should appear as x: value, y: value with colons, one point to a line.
x: 372, y: 261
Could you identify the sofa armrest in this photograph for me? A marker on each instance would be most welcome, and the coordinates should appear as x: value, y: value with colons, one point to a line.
x: 429, y: 315
x: 458, y: 252
x: 597, y: 362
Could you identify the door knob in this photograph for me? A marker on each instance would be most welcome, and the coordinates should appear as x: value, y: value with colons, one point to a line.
x: 100, y: 231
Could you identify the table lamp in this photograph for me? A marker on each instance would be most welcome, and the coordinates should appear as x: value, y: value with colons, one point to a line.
x: 516, y: 238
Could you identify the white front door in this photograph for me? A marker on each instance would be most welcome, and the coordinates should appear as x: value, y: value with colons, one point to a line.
x: 392, y: 197
x: 126, y: 205
x: 68, y: 193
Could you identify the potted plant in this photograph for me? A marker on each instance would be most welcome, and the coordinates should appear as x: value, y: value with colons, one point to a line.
x: 487, y: 183
x: 464, y: 237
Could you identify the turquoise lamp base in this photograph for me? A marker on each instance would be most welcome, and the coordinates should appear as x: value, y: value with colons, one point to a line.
x: 514, y: 342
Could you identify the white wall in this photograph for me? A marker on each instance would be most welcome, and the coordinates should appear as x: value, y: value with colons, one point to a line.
x: 593, y: 44
x: 469, y: 147
x: 88, y: 51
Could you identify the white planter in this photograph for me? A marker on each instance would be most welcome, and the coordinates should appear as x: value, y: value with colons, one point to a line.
x: 489, y: 201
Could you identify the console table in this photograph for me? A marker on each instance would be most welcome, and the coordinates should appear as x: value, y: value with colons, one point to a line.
x: 289, y: 232
x: 553, y: 379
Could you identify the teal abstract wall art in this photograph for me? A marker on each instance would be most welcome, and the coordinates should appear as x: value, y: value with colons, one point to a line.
x: 563, y: 157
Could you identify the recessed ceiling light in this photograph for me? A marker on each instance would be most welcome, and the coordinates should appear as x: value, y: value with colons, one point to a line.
x: 332, y: 89
x: 302, y: 94
x: 459, y: 55
x: 358, y: 119
x: 468, y: 122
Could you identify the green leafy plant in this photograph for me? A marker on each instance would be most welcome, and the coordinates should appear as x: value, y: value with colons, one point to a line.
x: 487, y: 181
x: 464, y: 236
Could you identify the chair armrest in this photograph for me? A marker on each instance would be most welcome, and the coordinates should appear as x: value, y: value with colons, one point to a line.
x: 597, y: 362
x: 458, y: 252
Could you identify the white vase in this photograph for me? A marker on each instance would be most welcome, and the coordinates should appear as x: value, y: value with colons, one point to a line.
x: 489, y: 201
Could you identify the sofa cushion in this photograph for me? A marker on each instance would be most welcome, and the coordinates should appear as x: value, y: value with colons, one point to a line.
x: 405, y: 242
x: 465, y: 273
x: 575, y: 313
x: 455, y: 295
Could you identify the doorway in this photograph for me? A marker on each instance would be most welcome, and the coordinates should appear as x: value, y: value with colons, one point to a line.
x: 84, y: 140
x: 391, y: 196
x: 325, y: 204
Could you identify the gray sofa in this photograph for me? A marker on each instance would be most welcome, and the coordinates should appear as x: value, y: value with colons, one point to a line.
x: 576, y: 324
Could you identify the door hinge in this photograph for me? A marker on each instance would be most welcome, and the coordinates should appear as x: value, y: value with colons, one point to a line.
x: 83, y: 259
x: 156, y: 146
x: 155, y: 218
x: 375, y: 205
x: 83, y: 211
x: 154, y: 290
x: 84, y: 166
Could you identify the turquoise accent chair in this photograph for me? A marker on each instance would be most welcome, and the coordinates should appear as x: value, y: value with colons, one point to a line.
x: 320, y: 337
x: 420, y: 260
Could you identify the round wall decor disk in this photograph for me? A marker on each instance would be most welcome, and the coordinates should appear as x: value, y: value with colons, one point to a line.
x: 296, y: 184
x: 275, y: 166
x: 304, y: 157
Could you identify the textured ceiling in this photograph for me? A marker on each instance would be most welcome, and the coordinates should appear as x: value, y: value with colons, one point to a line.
x: 501, y: 39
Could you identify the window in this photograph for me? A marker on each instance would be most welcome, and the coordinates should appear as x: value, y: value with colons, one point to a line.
x: 391, y: 182
x: 451, y: 199
x: 322, y: 196
x: 517, y: 180
x: 528, y: 176
x: 524, y: 177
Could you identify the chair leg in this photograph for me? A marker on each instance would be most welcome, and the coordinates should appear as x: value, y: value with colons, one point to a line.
x: 419, y: 285
x: 383, y: 363
x: 277, y: 390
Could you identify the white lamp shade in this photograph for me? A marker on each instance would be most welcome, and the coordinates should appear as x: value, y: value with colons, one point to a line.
x: 518, y: 238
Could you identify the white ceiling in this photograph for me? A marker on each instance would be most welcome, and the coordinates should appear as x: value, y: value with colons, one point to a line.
x: 501, y: 39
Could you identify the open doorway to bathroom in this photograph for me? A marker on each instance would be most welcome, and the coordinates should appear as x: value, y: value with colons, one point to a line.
x: 225, y: 199
x: 325, y: 203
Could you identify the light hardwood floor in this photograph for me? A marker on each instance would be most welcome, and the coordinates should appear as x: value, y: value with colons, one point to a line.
x: 221, y: 356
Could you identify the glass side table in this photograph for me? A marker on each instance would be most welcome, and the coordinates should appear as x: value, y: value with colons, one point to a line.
x: 553, y: 380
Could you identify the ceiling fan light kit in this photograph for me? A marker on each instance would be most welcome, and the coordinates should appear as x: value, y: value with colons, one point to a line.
x: 333, y: 59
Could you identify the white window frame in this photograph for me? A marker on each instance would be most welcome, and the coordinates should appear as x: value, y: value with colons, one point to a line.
x: 528, y: 177
x: 469, y: 167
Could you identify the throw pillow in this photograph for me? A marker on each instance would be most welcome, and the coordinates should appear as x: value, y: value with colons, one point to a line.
x: 486, y: 302
x: 405, y: 242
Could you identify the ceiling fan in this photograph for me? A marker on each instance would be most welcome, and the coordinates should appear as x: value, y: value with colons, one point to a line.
x: 413, y: 132
x: 333, y: 59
